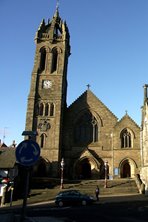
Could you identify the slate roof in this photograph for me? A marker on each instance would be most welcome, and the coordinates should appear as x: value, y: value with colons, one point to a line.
x: 7, y: 157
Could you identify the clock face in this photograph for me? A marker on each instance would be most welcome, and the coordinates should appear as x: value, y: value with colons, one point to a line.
x: 47, y: 84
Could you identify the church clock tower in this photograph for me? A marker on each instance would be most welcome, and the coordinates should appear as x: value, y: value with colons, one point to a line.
x: 47, y: 97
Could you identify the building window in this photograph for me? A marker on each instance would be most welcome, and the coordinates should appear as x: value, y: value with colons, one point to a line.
x: 125, y: 138
x: 54, y: 60
x: 42, y: 140
x: 46, y: 109
x: 95, y: 129
x: 86, y: 129
x: 43, y: 59
x: 51, y: 109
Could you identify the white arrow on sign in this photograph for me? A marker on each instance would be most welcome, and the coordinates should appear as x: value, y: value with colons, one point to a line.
x: 36, y: 152
x: 23, y: 146
x: 23, y: 159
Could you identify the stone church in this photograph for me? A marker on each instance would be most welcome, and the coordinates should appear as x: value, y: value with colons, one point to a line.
x: 86, y: 134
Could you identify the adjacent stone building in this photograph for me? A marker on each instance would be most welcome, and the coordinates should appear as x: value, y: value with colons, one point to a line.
x: 86, y: 134
x: 144, y: 141
x: 7, y: 160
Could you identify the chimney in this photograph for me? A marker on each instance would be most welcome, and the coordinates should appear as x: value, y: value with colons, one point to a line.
x: 13, y: 143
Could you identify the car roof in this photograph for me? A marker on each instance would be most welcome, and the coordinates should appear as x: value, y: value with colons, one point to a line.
x: 68, y: 191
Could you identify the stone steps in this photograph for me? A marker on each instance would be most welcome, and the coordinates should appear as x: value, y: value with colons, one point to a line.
x: 50, y: 188
x: 113, y: 186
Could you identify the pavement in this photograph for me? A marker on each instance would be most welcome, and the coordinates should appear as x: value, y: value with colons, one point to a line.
x: 17, y: 218
x: 7, y: 215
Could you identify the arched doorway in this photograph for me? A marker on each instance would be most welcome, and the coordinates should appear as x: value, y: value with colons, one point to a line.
x: 125, y: 169
x: 87, y: 168
x: 83, y: 169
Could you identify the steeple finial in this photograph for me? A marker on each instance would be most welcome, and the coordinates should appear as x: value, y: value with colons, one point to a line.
x: 56, y: 14
x: 57, y: 5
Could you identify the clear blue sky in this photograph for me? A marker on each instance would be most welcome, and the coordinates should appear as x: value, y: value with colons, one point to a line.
x: 109, y: 46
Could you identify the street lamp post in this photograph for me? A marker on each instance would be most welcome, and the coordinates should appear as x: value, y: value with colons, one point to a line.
x: 106, y: 173
x: 62, y: 173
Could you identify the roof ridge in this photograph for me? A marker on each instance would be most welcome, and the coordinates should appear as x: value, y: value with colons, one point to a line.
x: 127, y: 116
x: 89, y: 91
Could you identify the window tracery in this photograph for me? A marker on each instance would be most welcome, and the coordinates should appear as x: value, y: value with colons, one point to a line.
x: 86, y: 129
x: 126, y: 138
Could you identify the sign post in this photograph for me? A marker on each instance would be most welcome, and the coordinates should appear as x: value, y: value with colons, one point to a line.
x: 27, y: 153
x: 25, y: 194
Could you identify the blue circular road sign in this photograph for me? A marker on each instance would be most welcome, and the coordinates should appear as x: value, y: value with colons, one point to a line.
x: 27, y: 152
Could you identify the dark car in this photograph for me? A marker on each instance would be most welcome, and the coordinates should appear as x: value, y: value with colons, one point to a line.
x: 72, y: 197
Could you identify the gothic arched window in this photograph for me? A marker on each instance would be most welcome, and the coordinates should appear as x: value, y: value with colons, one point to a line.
x: 125, y: 138
x: 42, y: 140
x: 86, y: 129
x: 95, y: 132
x: 41, y: 109
x: 51, y: 109
x: 46, y: 109
x: 43, y: 59
x: 54, y: 60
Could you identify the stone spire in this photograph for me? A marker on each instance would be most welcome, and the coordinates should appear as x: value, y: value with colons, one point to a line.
x: 56, y: 14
